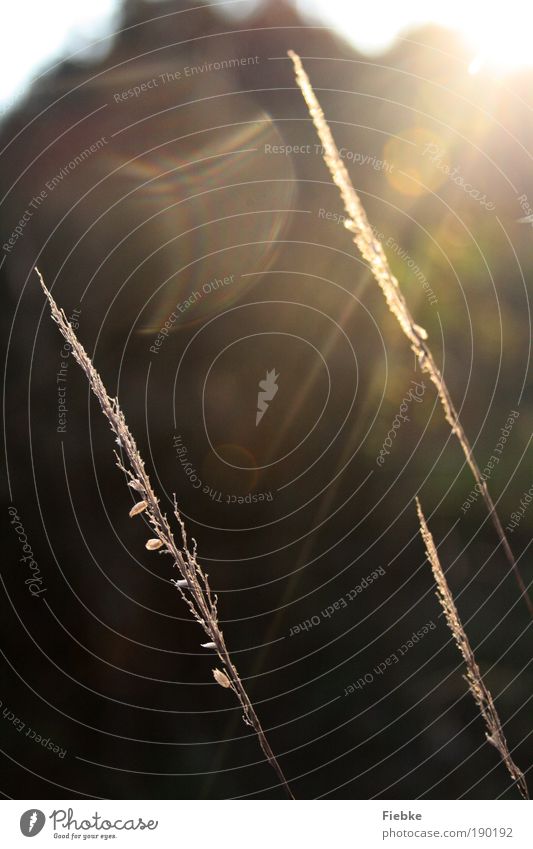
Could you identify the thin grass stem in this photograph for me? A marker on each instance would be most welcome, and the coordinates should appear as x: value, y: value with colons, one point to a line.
x: 473, y: 677
x: 372, y: 251
x: 193, y: 584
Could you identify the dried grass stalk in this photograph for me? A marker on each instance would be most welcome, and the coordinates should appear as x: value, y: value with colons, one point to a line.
x: 193, y: 585
x: 372, y: 251
x: 473, y: 677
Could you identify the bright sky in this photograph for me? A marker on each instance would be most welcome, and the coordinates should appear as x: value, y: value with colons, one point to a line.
x: 499, y: 34
x: 35, y: 32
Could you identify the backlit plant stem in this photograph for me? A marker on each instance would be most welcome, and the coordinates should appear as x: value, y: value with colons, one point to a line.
x: 193, y: 584
x: 480, y: 692
x: 372, y: 251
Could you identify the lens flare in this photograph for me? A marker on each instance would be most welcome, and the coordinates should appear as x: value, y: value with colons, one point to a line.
x: 210, y: 212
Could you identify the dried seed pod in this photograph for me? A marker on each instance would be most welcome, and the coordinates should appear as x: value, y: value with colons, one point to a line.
x: 154, y: 544
x: 138, y: 508
x: 221, y: 678
x: 208, y: 646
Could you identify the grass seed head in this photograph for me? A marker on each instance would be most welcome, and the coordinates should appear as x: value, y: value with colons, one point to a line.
x: 221, y: 678
x: 140, y: 507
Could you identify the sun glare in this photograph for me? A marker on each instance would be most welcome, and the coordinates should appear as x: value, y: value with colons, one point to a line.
x: 502, y: 39
x: 498, y: 35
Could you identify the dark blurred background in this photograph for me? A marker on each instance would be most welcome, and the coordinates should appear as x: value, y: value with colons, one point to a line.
x: 130, y: 202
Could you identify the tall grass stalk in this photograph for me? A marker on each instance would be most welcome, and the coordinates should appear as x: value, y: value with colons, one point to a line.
x: 372, y: 251
x: 473, y: 677
x: 193, y: 584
